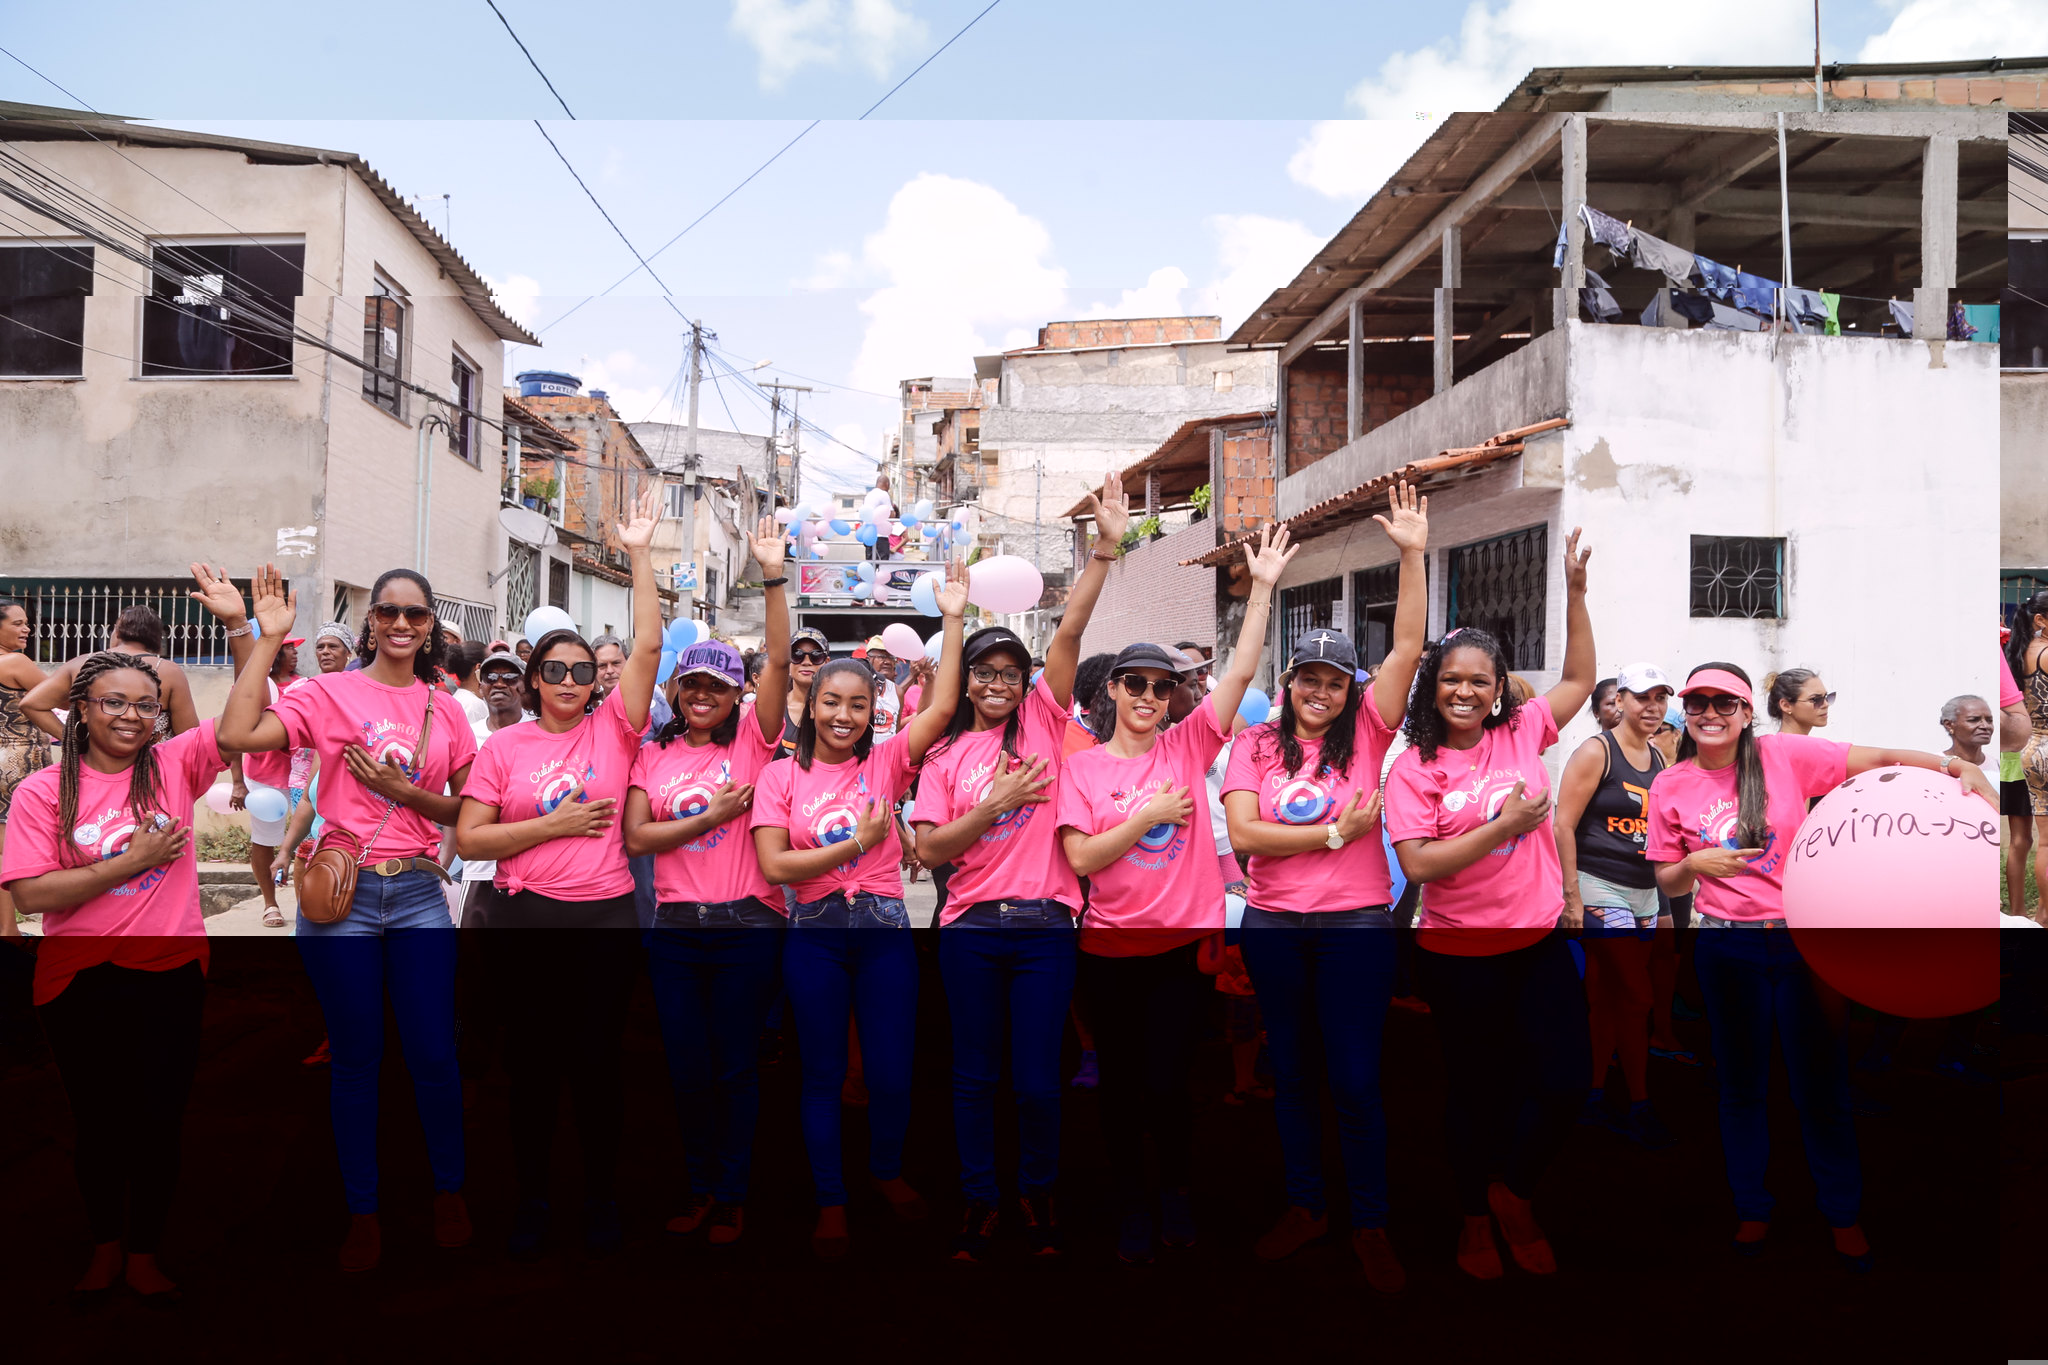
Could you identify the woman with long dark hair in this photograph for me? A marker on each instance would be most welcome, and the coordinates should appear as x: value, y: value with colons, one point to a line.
x: 1303, y: 801
x: 1468, y: 809
x: 23, y: 749
x: 824, y: 825
x: 1723, y: 819
x: 2024, y: 654
x: 1007, y: 956
x: 392, y: 762
x: 543, y: 804
x: 1129, y: 824
x: 711, y: 954
x: 100, y: 848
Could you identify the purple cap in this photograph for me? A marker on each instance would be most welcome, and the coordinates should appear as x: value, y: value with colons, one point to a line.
x: 720, y: 660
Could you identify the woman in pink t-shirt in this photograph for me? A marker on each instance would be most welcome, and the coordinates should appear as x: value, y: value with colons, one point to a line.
x: 1302, y: 796
x: 824, y: 824
x: 542, y: 803
x: 711, y: 954
x: 1007, y: 954
x: 98, y: 846
x: 1722, y: 819
x: 1468, y: 810
x: 1133, y: 818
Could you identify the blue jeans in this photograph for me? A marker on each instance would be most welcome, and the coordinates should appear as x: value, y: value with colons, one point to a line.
x: 838, y: 955
x: 403, y: 942
x: 1755, y: 983
x: 713, y: 968
x: 1330, y: 972
x: 1008, y: 963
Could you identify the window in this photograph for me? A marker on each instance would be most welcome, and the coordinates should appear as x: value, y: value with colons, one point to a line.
x: 476, y: 622
x: 1738, y: 576
x: 341, y: 601
x: 70, y: 617
x: 384, y: 318
x: 2023, y: 325
x: 2016, y: 586
x: 1498, y: 586
x: 462, y: 422
x: 221, y: 309
x: 522, y: 560
x: 711, y: 586
x: 558, y: 583
x: 1312, y: 606
x: 42, y: 310
x: 1374, y: 593
x: 678, y: 500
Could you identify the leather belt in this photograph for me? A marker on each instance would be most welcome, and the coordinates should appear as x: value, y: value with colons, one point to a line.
x: 393, y: 867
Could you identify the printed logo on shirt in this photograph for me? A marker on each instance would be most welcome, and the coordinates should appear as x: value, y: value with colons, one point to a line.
x: 391, y: 741
x: 108, y: 836
x: 1717, y: 830
x: 1634, y: 827
x: 1488, y: 795
x: 975, y: 782
x: 834, y: 816
x: 688, y: 795
x: 554, y: 789
x: 1302, y: 800
x: 1159, y: 845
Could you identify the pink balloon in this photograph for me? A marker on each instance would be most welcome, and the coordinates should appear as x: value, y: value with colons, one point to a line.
x: 217, y: 798
x: 1004, y: 583
x: 903, y: 642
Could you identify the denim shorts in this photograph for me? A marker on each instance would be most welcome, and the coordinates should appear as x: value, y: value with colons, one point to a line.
x: 1615, y: 921
x: 851, y: 910
x: 1033, y: 914
x: 1364, y: 917
x: 750, y: 913
x: 1640, y: 901
x: 410, y: 900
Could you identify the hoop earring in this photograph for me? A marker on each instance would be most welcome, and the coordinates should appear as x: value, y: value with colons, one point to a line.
x: 1498, y: 703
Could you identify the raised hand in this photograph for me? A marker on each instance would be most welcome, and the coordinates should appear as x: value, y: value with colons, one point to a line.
x: 153, y: 845
x: 1519, y: 814
x: 1575, y: 563
x: 273, y: 605
x: 1357, y: 819
x: 1169, y: 806
x: 1407, y: 519
x: 729, y: 802
x: 768, y: 548
x: 1022, y: 783
x: 218, y: 595
x: 1269, y: 561
x: 952, y: 596
x: 1112, y: 511
x: 638, y: 533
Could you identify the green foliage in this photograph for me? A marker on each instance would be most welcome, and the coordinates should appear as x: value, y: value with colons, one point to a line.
x: 1201, y: 498
x: 541, y: 486
x: 229, y: 845
x: 1141, y: 531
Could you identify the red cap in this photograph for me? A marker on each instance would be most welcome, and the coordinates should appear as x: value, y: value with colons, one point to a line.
x: 295, y: 640
x: 1717, y: 680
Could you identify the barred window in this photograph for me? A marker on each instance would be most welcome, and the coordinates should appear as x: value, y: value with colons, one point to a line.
x: 473, y: 621
x: 1374, y: 594
x: 2016, y: 586
x: 558, y: 583
x: 1498, y: 586
x: 42, y: 310
x: 70, y: 617
x: 1738, y: 576
x: 384, y: 325
x: 1312, y: 606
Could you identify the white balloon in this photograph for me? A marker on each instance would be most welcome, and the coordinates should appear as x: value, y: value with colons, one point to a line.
x: 541, y: 620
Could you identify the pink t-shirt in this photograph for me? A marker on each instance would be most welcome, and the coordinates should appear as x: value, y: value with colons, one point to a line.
x: 1320, y: 879
x: 272, y: 768
x: 913, y: 702
x: 329, y: 712
x: 1018, y: 857
x: 525, y: 772
x: 1691, y: 808
x: 1164, y: 890
x: 679, y: 780
x: 2008, y: 690
x: 822, y: 805
x: 151, y: 922
x: 1518, y: 886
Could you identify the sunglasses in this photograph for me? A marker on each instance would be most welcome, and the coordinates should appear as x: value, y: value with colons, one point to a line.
x: 121, y: 706
x: 1722, y: 704
x: 808, y: 656
x: 583, y: 674
x: 985, y: 675
x: 388, y: 613
x: 503, y: 676
x: 1136, y: 686
x: 1818, y: 699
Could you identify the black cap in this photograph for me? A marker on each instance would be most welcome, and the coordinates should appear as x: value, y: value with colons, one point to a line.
x: 990, y: 638
x: 1324, y: 646
x: 1145, y: 656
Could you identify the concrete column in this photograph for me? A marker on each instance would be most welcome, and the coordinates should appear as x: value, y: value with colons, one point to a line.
x: 1565, y: 304
x: 1354, y: 373
x: 1937, y: 238
x: 1683, y: 227
x: 1151, y: 492
x: 1453, y: 276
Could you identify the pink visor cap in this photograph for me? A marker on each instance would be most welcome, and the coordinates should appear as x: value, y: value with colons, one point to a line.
x: 1717, y: 680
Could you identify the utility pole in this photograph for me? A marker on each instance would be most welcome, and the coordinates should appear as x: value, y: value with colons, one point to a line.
x: 1038, y: 518
x: 796, y: 434
x: 687, y: 604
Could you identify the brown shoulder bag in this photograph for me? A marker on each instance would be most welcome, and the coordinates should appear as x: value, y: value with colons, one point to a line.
x: 327, y: 887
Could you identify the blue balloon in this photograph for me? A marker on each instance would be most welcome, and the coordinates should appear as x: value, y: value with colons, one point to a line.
x: 267, y: 803
x: 923, y: 510
x: 680, y: 635
x: 932, y: 531
x: 1255, y: 707
x: 862, y: 589
x: 839, y: 528
x: 911, y: 519
x: 923, y: 594
x: 866, y: 572
x: 865, y: 535
x: 958, y: 527
x: 668, y: 666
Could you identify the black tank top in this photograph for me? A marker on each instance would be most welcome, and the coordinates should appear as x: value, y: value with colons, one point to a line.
x: 1613, y: 831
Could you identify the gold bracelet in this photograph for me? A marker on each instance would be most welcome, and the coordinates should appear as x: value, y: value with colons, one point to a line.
x: 859, y: 845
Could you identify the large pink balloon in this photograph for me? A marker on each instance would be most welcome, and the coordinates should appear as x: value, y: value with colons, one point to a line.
x: 1891, y: 891
x: 903, y: 642
x: 217, y: 798
x: 1004, y: 583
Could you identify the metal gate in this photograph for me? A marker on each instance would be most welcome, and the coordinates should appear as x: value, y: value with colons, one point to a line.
x: 70, y: 617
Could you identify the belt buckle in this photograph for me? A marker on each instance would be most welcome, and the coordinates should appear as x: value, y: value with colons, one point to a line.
x: 390, y: 867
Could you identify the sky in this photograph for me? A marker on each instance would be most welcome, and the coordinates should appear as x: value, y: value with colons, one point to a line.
x: 1059, y: 159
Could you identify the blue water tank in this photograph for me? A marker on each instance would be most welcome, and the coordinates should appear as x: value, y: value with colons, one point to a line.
x: 548, y: 384
x: 600, y: 393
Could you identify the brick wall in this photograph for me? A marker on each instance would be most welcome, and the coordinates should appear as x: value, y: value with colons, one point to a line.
x: 1317, y: 416
x: 2024, y: 93
x: 1129, y: 331
x: 1150, y: 597
x: 1244, y: 502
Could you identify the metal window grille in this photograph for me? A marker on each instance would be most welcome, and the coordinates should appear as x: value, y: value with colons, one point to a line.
x: 461, y: 425
x: 1498, y: 586
x: 1374, y: 594
x: 520, y: 599
x: 558, y: 584
x: 384, y: 350
x: 1312, y: 606
x: 341, y: 603
x: 70, y: 617
x: 474, y: 621
x: 1738, y: 576
x: 2016, y: 586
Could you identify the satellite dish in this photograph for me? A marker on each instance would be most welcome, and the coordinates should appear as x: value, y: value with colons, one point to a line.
x: 525, y: 524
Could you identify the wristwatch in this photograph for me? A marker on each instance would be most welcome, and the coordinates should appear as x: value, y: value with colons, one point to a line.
x: 1946, y: 759
x: 1332, y: 840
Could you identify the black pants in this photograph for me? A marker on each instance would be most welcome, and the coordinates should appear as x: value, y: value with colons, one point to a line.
x: 1513, y: 1032
x: 1147, y: 1014
x: 127, y: 1043
x: 561, y: 999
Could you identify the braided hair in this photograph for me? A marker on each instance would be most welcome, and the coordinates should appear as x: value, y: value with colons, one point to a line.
x: 427, y: 659
x: 145, y: 784
x: 1425, y: 724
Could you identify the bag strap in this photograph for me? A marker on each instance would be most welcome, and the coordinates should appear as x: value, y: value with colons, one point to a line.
x: 426, y: 733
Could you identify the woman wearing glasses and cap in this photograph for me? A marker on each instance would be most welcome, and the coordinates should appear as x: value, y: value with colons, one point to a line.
x: 1722, y: 819
x: 1302, y: 796
x: 1133, y: 818
x: 1007, y: 957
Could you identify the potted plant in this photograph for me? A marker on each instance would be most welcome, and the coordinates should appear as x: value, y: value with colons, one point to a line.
x: 1200, y: 498
x: 539, y: 490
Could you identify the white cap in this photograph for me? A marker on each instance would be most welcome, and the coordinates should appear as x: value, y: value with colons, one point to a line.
x: 1641, y: 679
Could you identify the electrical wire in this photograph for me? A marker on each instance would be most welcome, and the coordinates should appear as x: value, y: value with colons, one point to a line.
x: 667, y: 296
x: 529, y: 59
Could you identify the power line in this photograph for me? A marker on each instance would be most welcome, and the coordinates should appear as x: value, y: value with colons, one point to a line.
x: 529, y: 59
x: 669, y: 297
x: 929, y: 60
x: 45, y: 79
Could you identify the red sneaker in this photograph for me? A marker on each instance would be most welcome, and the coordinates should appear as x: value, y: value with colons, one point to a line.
x: 1296, y: 1229
x: 1382, y: 1267
x: 1477, y: 1255
x: 1526, y: 1242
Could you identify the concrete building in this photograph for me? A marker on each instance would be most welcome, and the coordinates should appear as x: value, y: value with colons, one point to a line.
x: 1751, y: 495
x: 237, y: 351
x: 936, y: 452
x: 2023, y: 381
x: 731, y: 482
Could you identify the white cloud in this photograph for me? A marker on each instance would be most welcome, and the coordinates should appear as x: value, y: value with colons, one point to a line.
x: 960, y: 261
x: 1257, y: 255
x: 835, y: 270
x: 792, y: 34
x: 1956, y: 30
x: 1159, y: 297
x: 834, y: 469
x: 638, y: 392
x: 517, y: 296
x: 1350, y: 158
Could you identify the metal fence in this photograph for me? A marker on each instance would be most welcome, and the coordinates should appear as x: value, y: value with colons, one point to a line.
x: 474, y: 621
x: 73, y: 616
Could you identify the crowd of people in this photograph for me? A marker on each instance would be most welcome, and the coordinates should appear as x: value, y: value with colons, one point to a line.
x: 1114, y: 841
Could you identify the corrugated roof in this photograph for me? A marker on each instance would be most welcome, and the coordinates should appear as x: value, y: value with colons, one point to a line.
x: 1576, y: 88
x: 1185, y: 452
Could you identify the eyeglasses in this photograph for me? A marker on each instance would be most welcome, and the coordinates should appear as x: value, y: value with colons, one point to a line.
x: 985, y: 675
x: 388, y: 613
x: 808, y: 656
x: 1136, y: 686
x: 502, y: 676
x: 1817, y: 699
x: 582, y: 674
x: 121, y: 706
x: 1723, y: 704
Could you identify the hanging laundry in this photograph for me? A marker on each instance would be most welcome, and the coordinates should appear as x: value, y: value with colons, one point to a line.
x: 1808, y: 308
x: 1832, y: 305
x: 1611, y: 233
x: 1728, y: 319
x: 1693, y: 307
x: 1557, y: 256
x: 1716, y: 280
x: 1598, y: 299
x: 1902, y: 316
x: 1675, y: 262
x: 1755, y: 293
x: 1959, y: 328
x: 1984, y: 317
x: 1659, y: 311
